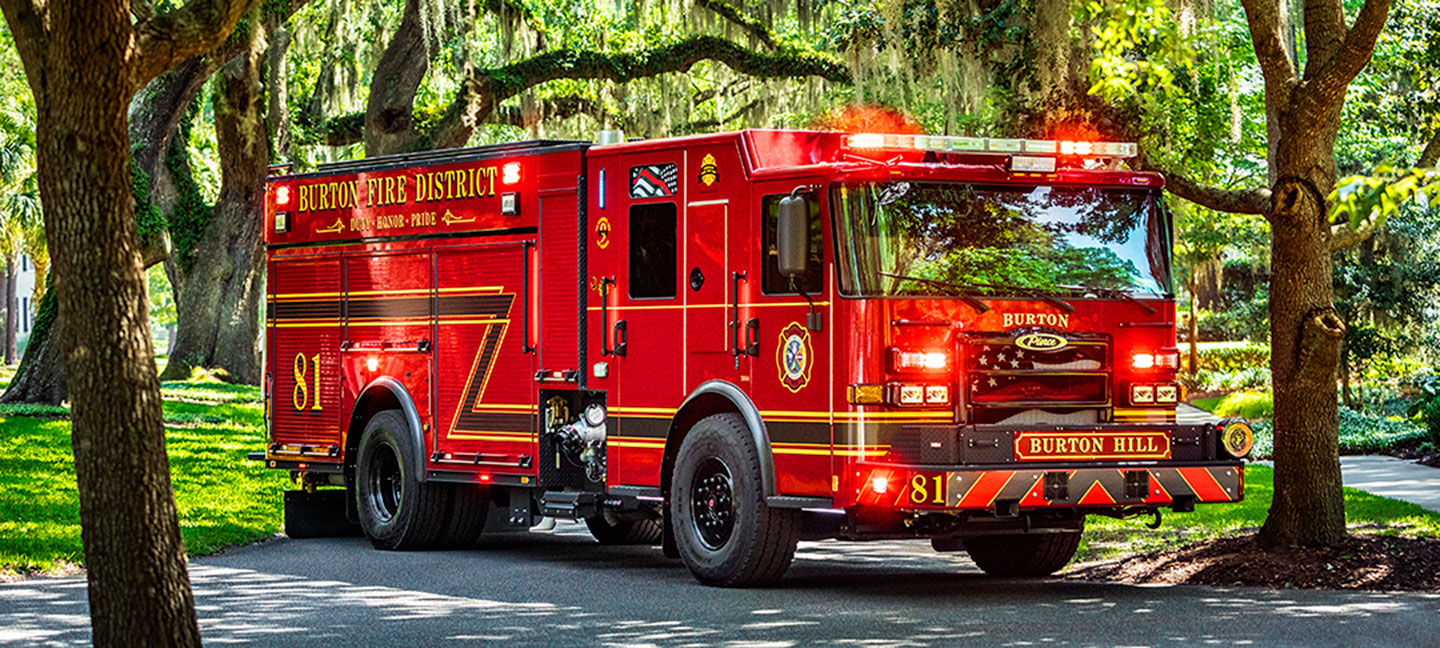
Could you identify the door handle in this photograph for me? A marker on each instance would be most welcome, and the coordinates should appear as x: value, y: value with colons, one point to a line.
x: 734, y: 323
x: 752, y: 337
x: 622, y: 338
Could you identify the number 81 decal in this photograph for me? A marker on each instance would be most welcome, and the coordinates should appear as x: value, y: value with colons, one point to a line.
x: 927, y: 489
x: 301, y: 396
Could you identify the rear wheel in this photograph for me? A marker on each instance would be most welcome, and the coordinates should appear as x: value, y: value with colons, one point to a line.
x: 469, y: 506
x: 396, y: 509
x: 1025, y: 555
x: 610, y: 529
x: 725, y: 532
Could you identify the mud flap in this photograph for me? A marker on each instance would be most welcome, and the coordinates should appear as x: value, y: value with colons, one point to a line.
x: 318, y: 514
x: 667, y: 536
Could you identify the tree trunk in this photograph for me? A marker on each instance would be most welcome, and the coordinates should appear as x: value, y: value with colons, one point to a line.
x: 1194, y: 329
x: 12, y: 312
x: 279, y: 93
x: 40, y: 378
x: 81, y: 76
x: 1345, y: 396
x: 389, y: 110
x: 1309, y: 505
x: 218, y: 286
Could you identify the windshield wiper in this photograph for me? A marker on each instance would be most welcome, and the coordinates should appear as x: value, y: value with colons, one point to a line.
x: 1113, y: 293
x: 1037, y: 293
x: 962, y: 291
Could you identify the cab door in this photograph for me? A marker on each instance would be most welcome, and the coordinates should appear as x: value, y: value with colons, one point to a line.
x: 792, y: 370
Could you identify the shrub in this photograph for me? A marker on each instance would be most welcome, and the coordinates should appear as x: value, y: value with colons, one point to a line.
x: 1229, y: 357
x: 1359, y: 434
x: 1248, y: 405
x: 1253, y: 378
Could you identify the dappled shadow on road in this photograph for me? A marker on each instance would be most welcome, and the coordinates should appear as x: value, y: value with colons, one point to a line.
x: 563, y: 589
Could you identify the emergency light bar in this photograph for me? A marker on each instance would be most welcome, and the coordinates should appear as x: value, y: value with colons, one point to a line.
x: 878, y: 141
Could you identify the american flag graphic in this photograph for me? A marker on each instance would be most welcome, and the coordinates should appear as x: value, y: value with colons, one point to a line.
x: 653, y: 181
x: 1001, y: 372
x: 1000, y: 356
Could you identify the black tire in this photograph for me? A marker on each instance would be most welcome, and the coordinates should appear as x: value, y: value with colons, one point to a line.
x: 1022, y: 555
x: 725, y: 532
x: 609, y: 529
x: 469, y: 506
x: 397, y: 510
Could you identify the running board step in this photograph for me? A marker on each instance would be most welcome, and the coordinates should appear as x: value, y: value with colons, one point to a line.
x: 570, y: 505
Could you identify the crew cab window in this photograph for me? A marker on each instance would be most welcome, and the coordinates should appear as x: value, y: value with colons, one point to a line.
x: 652, y: 251
x: 771, y: 281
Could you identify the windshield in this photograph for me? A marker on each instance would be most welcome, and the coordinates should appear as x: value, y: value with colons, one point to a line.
x: 902, y: 238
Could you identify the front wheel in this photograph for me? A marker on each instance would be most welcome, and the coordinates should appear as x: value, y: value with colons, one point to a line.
x: 725, y: 532
x: 1022, y: 555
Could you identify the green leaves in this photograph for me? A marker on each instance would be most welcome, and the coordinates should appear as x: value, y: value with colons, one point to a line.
x: 1137, y: 43
x: 1368, y: 200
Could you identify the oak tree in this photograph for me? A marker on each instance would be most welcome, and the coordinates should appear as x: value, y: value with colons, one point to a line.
x: 84, y: 62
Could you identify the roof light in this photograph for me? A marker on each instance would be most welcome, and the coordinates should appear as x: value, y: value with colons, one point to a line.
x: 867, y: 141
x: 880, y: 141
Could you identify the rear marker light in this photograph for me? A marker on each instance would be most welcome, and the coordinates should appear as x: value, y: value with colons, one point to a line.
x: 1142, y: 394
x: 937, y: 395
x: 1167, y: 393
x: 912, y: 394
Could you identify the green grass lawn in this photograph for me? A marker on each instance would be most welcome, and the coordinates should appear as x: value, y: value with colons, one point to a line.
x: 1107, y: 538
x: 1207, y: 404
x: 224, y: 499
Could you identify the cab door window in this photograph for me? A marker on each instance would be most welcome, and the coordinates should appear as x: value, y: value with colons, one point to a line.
x: 652, y: 251
x: 771, y: 281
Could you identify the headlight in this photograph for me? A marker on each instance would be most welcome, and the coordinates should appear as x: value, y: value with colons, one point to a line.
x: 1237, y: 439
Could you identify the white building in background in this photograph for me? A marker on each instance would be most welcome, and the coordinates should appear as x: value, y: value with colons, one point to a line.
x: 24, y: 290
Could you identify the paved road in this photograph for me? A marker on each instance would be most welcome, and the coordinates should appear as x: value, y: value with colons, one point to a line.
x: 561, y: 589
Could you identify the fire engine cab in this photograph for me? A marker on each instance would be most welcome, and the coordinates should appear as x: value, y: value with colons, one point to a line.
x: 726, y: 343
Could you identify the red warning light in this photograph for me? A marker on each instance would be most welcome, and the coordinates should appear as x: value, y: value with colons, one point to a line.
x: 510, y: 173
x: 282, y: 195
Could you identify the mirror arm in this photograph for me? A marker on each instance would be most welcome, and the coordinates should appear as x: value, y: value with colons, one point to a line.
x: 813, y: 320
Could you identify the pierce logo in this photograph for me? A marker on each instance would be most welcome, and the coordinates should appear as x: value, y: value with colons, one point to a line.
x: 1057, y: 320
x: 794, y: 357
x: 1041, y: 342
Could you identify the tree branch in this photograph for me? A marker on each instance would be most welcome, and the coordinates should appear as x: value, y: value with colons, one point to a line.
x: 1354, y: 54
x: 1342, y: 236
x: 196, y: 27
x: 27, y: 23
x: 1232, y: 201
x: 558, y: 108
x: 487, y: 88
x: 1431, y: 154
x: 759, y: 30
x: 1265, y: 26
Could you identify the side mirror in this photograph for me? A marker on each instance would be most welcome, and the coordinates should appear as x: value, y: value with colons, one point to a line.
x: 793, y: 236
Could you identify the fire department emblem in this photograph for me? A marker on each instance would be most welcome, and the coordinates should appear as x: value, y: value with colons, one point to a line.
x: 794, y: 357
x: 709, y: 170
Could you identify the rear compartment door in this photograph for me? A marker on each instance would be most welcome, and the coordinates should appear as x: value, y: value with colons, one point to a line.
x: 305, y: 329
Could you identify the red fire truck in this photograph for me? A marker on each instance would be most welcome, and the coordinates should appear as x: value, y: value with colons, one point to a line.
x: 726, y: 343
